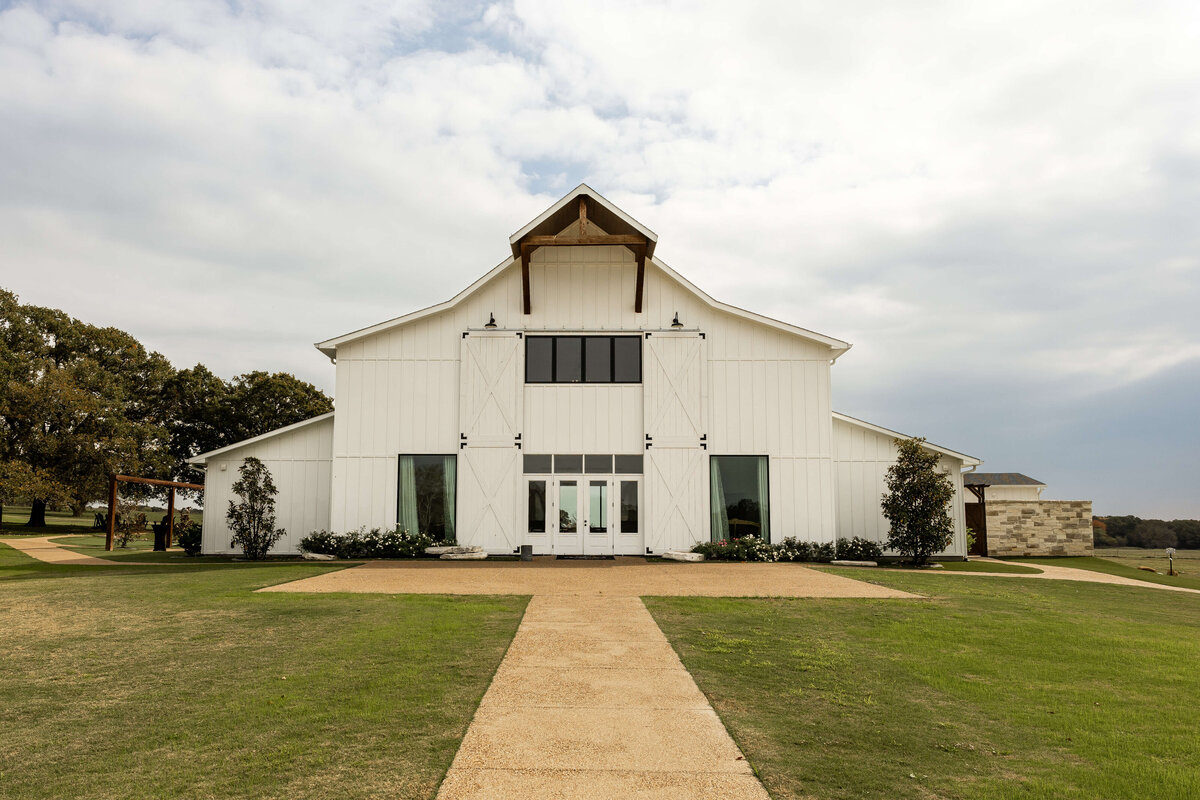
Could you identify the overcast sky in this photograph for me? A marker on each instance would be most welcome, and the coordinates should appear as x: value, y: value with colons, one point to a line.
x: 997, y: 203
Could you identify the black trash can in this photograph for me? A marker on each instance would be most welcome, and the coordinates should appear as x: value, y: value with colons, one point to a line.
x: 160, y: 537
x: 527, y: 552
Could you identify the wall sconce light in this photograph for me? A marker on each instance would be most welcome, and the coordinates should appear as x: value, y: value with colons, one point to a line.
x: 675, y: 323
x: 491, y: 323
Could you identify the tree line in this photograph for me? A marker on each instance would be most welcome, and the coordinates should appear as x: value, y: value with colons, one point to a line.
x: 80, y: 403
x: 1131, y: 531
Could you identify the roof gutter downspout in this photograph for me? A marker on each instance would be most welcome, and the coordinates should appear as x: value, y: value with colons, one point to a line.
x: 833, y: 360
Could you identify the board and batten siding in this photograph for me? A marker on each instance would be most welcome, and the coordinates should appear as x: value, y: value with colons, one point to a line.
x: 768, y: 390
x: 1027, y: 493
x: 863, y: 456
x: 299, y: 459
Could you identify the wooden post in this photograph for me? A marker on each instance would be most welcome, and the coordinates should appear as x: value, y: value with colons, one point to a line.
x: 640, y: 252
x: 525, y: 253
x: 170, y: 516
x: 112, y: 512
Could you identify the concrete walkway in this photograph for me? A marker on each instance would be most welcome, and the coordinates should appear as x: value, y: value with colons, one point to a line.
x: 592, y: 702
x: 43, y: 549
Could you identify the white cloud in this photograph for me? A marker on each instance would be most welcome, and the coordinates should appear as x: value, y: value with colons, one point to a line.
x: 960, y: 189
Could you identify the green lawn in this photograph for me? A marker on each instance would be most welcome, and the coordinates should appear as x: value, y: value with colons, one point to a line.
x: 1191, y: 580
x: 15, y: 518
x: 179, y: 681
x: 978, y: 566
x: 993, y: 688
x: 141, y: 548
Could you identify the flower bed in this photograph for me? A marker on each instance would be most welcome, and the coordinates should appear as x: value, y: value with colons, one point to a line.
x: 374, y: 543
x: 751, y: 548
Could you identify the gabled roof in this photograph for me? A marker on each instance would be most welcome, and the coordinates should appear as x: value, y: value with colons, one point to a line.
x: 200, y: 459
x: 612, y: 220
x: 566, y: 211
x: 1000, y: 479
x: 970, y: 461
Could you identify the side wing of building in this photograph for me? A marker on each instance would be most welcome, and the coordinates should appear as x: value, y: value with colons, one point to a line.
x: 863, y: 453
x: 300, y: 459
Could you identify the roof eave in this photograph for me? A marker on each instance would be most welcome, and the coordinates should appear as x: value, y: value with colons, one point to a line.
x: 203, y: 457
x: 969, y: 461
x: 514, y: 241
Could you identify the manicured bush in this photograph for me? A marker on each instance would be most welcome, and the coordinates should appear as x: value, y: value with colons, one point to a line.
x: 374, y: 543
x: 858, y: 549
x: 917, y: 502
x: 792, y: 549
x: 187, y: 536
x: 823, y: 553
x: 750, y: 548
x: 747, y: 548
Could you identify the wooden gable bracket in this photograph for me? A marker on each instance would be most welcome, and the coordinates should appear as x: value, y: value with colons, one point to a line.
x: 637, y: 244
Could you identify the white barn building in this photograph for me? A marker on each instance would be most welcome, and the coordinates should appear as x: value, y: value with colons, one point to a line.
x: 583, y: 398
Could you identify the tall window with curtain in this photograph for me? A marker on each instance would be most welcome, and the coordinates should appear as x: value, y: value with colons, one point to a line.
x: 426, y: 487
x: 740, y: 505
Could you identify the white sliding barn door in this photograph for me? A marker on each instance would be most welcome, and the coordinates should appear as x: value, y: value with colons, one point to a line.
x: 490, y: 420
x: 676, y: 475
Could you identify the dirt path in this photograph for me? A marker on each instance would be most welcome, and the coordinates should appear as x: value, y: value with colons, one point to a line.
x: 1053, y: 573
x: 43, y: 549
x: 591, y: 701
x: 627, y: 577
x: 50, y: 552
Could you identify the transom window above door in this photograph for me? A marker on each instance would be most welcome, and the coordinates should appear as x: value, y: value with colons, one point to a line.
x: 573, y: 464
x: 583, y: 359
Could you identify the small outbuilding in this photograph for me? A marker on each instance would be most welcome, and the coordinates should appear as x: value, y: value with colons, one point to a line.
x: 1008, y: 517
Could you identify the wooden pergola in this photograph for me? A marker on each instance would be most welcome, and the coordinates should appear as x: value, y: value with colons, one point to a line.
x: 112, y: 503
x: 637, y: 243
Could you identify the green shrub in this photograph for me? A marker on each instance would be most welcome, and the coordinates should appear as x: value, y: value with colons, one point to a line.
x: 792, y: 549
x: 751, y: 548
x: 858, y: 549
x: 374, y: 543
x: 187, y: 536
x: 252, y: 517
x: 747, y: 548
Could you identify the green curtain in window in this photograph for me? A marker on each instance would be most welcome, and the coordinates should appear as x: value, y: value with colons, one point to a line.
x: 450, y: 480
x: 406, y: 493
x: 720, y: 515
x: 763, y: 509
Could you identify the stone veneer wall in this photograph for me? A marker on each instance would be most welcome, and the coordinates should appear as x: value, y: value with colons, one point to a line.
x: 1039, y: 527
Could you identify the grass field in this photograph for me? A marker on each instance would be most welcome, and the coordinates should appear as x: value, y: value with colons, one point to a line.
x: 994, y: 688
x: 150, y: 682
x: 1126, y: 567
x: 15, y: 518
x: 1186, y: 561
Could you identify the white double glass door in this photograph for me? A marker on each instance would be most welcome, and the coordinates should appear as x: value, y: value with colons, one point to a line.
x: 584, y: 514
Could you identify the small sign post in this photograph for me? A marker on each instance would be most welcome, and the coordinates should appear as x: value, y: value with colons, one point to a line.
x: 1170, y: 560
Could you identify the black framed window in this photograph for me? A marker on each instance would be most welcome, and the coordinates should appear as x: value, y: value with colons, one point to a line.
x: 583, y: 359
x: 539, y: 359
x: 568, y: 359
x: 740, y: 502
x: 426, y: 487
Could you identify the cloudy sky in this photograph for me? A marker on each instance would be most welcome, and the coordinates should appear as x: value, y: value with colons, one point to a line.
x: 997, y: 203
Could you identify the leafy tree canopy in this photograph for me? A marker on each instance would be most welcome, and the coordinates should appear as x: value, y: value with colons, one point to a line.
x: 79, y: 403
